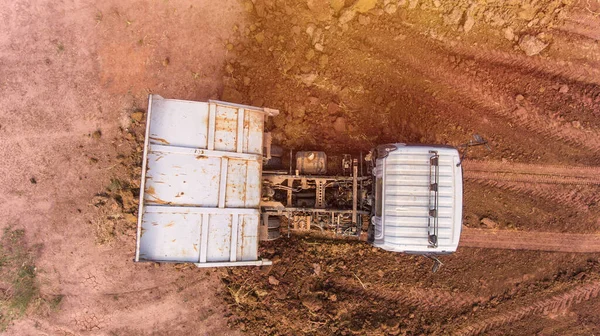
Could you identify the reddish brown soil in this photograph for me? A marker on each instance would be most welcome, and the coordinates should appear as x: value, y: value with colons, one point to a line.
x: 69, y: 69
x: 531, y: 240
x: 408, y: 77
x: 74, y: 77
x: 348, y: 287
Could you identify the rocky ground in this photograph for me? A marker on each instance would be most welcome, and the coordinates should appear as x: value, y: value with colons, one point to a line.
x: 349, y: 75
x: 346, y: 75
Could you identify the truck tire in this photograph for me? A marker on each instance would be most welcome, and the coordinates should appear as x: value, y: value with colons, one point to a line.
x: 274, y: 222
x: 274, y: 163
x: 273, y: 227
x: 276, y: 151
x: 273, y: 234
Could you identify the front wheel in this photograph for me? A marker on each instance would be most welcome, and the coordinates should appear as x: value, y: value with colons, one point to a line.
x: 274, y: 163
x: 276, y: 151
x: 273, y: 227
x: 371, y: 233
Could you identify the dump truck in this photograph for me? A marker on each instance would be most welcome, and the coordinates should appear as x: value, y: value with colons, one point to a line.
x: 214, y: 185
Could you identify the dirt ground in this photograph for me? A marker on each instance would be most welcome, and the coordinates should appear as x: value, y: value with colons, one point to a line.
x: 72, y: 76
x: 346, y: 75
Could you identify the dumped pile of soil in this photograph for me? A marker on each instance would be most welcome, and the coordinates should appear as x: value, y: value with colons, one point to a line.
x: 117, y: 206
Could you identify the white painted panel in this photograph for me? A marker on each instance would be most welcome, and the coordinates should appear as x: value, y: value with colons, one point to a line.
x: 185, y: 177
x: 254, y: 123
x: 235, y: 195
x: 182, y: 179
x: 219, y: 238
x: 253, y: 184
x: 180, y: 218
x: 179, y: 123
x: 226, y: 129
x: 170, y: 237
x: 178, y: 234
x: 247, y: 237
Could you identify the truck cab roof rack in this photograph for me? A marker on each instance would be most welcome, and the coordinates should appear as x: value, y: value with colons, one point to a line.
x: 432, y: 220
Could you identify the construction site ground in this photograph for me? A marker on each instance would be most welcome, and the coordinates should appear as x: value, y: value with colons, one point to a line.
x: 346, y: 75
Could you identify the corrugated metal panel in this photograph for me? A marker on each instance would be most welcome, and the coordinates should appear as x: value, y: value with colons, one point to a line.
x: 407, y: 200
x: 201, y: 183
x: 179, y: 234
x: 212, y: 125
x: 186, y: 176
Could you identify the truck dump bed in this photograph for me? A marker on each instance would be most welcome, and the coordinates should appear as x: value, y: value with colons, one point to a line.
x: 201, y: 183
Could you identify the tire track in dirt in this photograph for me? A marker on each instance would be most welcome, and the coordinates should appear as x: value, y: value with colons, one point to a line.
x: 530, y: 240
x: 529, y: 118
x: 515, y: 172
x: 578, y: 197
x: 571, y: 71
x: 554, y: 304
x: 583, y: 22
x: 479, y: 93
x: 526, y: 168
x: 566, y: 71
x: 474, y: 91
x: 527, y: 178
x: 563, y: 184
x: 428, y: 299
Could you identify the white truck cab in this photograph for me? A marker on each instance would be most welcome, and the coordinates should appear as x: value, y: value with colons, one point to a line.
x: 418, y: 199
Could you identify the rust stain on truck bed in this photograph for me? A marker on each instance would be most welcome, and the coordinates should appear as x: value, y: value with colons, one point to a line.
x: 153, y: 199
x: 161, y: 140
x: 150, y: 190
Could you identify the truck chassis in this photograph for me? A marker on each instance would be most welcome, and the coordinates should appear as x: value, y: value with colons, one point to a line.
x: 338, y: 203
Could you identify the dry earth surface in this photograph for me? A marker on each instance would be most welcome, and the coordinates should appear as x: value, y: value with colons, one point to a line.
x: 346, y: 75
x: 73, y: 74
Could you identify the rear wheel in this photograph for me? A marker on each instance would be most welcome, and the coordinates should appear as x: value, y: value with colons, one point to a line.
x: 276, y: 151
x: 274, y: 163
x: 371, y: 233
x: 273, y: 227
